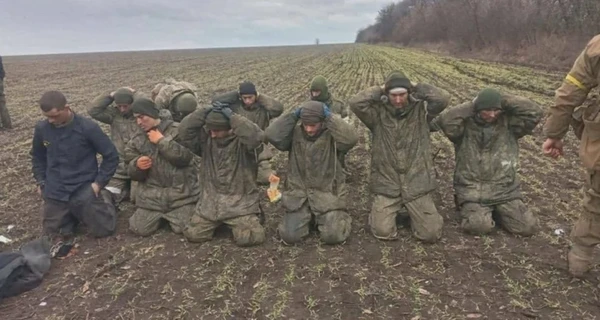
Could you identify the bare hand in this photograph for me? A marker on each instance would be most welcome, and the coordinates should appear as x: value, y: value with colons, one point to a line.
x: 39, y: 190
x: 96, y: 188
x: 155, y: 136
x: 553, y: 148
x: 144, y: 163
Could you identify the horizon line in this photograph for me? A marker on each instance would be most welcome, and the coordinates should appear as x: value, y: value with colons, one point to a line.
x: 172, y: 49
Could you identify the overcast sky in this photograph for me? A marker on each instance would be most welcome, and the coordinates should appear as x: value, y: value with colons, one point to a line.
x: 59, y: 26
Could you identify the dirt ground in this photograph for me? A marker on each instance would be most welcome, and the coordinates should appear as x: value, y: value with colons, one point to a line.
x: 499, y: 276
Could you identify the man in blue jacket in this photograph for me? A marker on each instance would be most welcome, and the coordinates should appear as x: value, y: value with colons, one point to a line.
x: 66, y: 170
x: 4, y: 116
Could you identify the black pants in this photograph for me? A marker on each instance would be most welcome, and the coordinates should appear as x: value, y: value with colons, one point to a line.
x: 97, y: 213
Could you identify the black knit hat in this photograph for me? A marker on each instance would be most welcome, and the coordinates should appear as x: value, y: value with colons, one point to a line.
x: 247, y: 87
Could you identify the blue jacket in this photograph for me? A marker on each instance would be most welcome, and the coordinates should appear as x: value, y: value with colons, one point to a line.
x: 63, y: 159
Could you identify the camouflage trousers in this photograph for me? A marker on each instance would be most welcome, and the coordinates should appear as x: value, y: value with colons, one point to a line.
x: 513, y: 216
x: 334, y: 226
x: 4, y: 115
x: 247, y: 230
x: 425, y: 221
x: 123, y: 189
x: 586, y: 231
x: 98, y: 214
x: 145, y: 222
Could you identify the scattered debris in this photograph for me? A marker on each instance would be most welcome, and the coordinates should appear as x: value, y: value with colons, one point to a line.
x: 559, y: 232
x: 43, y: 304
x: 5, y: 240
x: 424, y: 292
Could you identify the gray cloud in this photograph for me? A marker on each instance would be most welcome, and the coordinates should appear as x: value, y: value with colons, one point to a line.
x: 46, y: 26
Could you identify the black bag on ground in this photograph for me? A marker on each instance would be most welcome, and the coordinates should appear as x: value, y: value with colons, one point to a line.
x: 24, y: 270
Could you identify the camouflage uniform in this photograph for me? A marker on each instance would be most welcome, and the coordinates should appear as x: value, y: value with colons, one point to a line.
x: 402, y: 171
x: 583, y: 77
x: 169, y: 190
x: 123, y: 128
x: 165, y: 94
x: 261, y: 113
x: 229, y: 192
x: 4, y: 115
x: 315, y: 184
x: 487, y: 157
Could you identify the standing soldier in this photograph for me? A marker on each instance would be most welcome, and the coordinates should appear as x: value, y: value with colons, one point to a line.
x: 180, y: 98
x: 315, y: 184
x: 402, y: 172
x: 64, y: 154
x: 122, y: 129
x: 168, y: 187
x: 319, y: 91
x: 583, y: 77
x: 486, y: 134
x: 228, y: 144
x: 260, y: 109
x: 4, y: 115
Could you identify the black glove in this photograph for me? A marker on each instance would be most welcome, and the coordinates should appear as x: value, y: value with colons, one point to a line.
x: 227, y: 112
x: 218, y: 105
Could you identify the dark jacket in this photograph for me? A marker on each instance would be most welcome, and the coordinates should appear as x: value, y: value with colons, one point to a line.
x: 2, y: 74
x: 63, y: 159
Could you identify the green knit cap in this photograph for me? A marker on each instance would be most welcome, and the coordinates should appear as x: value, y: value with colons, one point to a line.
x: 488, y: 99
x: 319, y: 83
x: 217, y: 121
x: 397, y: 79
x: 123, y: 96
x: 146, y: 107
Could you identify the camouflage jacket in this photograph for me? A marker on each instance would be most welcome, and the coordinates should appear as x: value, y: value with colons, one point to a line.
x: 487, y: 155
x: 314, y: 168
x: 165, y: 93
x: 265, y: 108
x: 172, y: 181
x: 122, y: 128
x: 401, y: 161
x: 581, y: 79
x: 229, y: 166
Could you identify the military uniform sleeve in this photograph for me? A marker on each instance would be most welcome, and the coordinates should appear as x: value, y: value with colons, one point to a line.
x: 281, y: 132
x: 582, y: 78
x: 108, y: 151
x: 524, y: 114
x: 343, y: 133
x: 132, y: 154
x: 247, y: 131
x: 190, y: 130
x: 437, y: 99
x: 364, y: 105
x: 38, y: 156
x: 99, y: 109
x: 452, y: 121
x: 229, y: 97
x: 339, y: 107
x: 274, y: 107
x: 176, y: 154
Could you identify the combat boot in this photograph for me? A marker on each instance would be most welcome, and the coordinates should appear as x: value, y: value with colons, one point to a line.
x: 579, y: 259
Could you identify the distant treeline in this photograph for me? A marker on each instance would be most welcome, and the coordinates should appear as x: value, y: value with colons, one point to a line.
x: 531, y: 31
